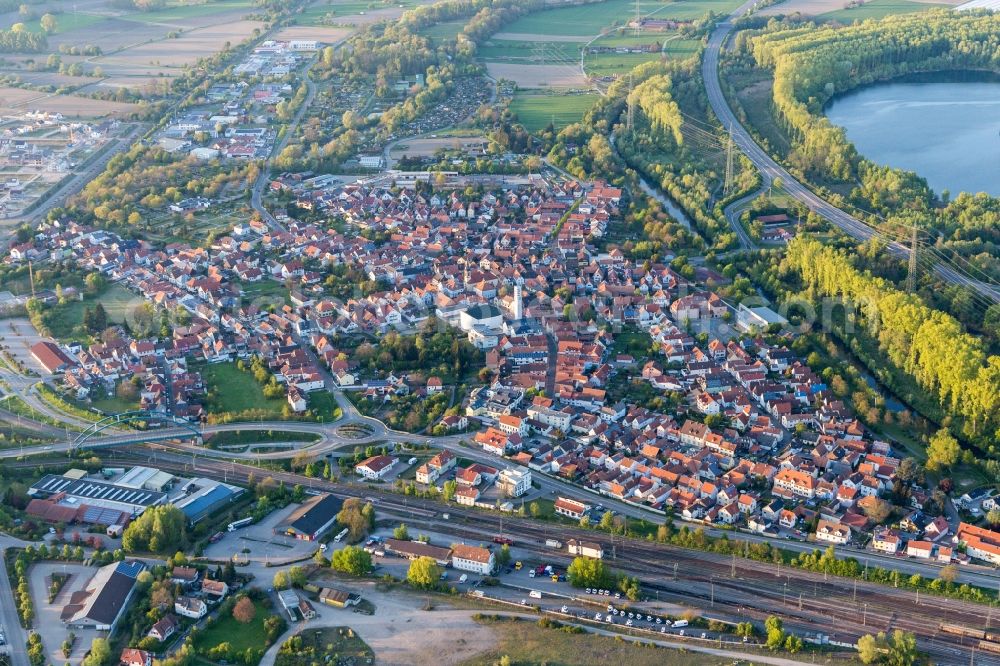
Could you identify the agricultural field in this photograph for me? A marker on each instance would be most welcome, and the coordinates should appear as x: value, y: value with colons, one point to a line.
x: 543, y: 50
x: 530, y: 52
x: 583, y: 21
x: 354, y: 12
x: 877, y: 9
x: 536, y: 111
x: 19, y: 100
x: 539, y: 76
x: 182, y: 13
x: 168, y: 56
x: 327, y: 35
x: 138, y: 46
x: 837, y: 10
x: 65, y: 23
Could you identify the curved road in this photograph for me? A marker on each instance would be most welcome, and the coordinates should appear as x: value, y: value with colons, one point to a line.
x: 769, y: 169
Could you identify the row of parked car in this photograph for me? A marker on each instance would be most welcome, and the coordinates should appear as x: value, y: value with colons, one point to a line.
x: 632, y: 618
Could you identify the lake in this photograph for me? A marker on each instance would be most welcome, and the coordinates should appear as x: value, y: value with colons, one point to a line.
x: 946, y: 131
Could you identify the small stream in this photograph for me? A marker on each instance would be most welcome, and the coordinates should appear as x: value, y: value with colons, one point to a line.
x: 892, y: 403
x: 668, y: 204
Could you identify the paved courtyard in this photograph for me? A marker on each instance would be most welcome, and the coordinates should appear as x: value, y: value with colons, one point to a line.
x: 262, y: 545
x: 48, y: 623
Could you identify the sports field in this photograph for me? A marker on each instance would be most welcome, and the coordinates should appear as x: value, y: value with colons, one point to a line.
x: 443, y: 31
x: 536, y: 111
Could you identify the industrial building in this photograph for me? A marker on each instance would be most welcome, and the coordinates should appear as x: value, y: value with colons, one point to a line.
x: 311, y: 519
x: 411, y: 550
x: 100, y: 604
x: 201, y: 497
x: 75, y: 497
x: 146, y: 478
x: 74, y: 492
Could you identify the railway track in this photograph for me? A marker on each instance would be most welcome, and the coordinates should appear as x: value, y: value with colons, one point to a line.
x: 829, y: 606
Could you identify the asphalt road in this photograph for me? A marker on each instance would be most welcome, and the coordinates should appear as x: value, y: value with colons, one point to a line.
x: 9, y: 620
x: 256, y: 193
x: 770, y: 169
x: 334, y: 437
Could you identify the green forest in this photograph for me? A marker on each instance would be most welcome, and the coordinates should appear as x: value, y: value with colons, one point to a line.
x: 929, y: 346
x: 813, y: 64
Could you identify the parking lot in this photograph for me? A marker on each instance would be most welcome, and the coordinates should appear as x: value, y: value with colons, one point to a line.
x: 19, y: 335
x: 54, y: 632
x: 258, y: 544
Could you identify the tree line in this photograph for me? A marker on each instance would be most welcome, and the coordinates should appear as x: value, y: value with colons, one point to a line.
x: 811, y: 65
x: 928, y: 345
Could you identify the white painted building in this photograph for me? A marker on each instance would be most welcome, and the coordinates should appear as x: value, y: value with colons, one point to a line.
x: 514, y: 482
x: 472, y: 558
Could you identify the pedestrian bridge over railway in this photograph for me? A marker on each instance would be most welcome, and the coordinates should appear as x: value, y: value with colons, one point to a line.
x: 143, y: 426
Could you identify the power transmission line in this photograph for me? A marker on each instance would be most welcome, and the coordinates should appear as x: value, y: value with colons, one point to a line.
x: 911, y: 275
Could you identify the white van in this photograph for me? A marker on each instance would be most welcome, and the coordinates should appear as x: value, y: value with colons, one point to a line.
x: 464, y: 578
x: 535, y: 594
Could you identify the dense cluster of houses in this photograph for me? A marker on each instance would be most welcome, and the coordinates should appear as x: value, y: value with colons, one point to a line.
x: 757, y: 438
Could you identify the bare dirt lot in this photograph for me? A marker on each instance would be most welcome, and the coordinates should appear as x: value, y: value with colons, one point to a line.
x: 401, y: 632
x: 17, y: 100
x: 427, y: 147
x: 538, y: 76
